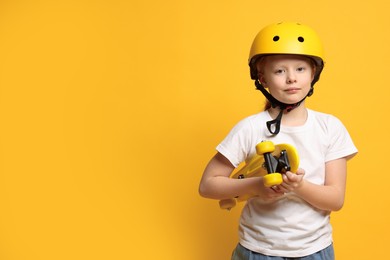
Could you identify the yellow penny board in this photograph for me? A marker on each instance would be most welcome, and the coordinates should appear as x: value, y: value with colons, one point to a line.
x: 268, y: 154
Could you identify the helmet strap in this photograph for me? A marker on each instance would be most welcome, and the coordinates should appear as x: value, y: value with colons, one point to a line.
x: 276, y: 103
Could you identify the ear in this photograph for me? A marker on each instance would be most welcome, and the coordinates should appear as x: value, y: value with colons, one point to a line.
x: 313, y: 75
x: 262, y: 79
x: 314, y: 70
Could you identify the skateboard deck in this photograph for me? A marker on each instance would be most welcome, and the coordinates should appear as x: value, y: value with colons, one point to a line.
x: 270, y: 161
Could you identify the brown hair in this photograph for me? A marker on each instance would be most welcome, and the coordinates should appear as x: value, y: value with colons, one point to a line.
x: 267, y: 105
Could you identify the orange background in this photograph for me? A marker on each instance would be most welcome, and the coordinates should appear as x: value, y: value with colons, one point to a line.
x: 110, y: 110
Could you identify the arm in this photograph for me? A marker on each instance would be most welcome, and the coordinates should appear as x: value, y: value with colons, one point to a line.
x: 216, y: 184
x: 329, y: 196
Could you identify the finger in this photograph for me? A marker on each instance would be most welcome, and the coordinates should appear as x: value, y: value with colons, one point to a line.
x: 285, y: 187
x: 300, y: 171
x: 291, y: 177
x: 277, y: 189
x: 286, y: 178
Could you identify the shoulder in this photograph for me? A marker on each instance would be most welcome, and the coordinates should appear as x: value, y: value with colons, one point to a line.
x: 335, y: 135
x: 252, y: 121
x: 242, y: 138
x: 322, y: 116
x: 326, y: 121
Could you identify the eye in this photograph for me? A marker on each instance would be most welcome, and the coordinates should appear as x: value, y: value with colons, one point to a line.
x: 301, y: 39
x: 301, y: 69
x: 276, y: 38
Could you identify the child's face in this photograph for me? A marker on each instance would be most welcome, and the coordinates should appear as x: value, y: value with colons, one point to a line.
x: 287, y: 77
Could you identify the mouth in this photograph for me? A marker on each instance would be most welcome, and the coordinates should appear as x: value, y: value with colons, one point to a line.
x: 292, y: 90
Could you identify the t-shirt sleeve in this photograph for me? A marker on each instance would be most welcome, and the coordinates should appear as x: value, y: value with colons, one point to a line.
x: 341, y: 144
x: 236, y: 145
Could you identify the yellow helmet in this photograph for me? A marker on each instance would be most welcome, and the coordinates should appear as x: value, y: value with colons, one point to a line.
x: 287, y: 38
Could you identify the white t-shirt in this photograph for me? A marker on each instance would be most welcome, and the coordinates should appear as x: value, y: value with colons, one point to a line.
x: 289, y: 226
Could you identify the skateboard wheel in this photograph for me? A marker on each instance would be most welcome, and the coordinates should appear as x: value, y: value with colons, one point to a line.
x: 265, y: 147
x: 227, y: 203
x: 272, y: 179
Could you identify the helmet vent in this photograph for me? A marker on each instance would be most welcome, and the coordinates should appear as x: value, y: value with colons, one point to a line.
x: 276, y: 38
x: 301, y: 39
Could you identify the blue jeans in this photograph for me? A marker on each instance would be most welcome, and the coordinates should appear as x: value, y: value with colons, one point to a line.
x: 241, y: 253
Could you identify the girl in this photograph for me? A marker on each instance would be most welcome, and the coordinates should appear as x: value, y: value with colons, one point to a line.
x: 290, y: 220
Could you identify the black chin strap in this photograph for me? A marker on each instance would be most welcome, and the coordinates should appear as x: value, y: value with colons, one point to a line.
x: 276, y: 103
x: 277, y: 121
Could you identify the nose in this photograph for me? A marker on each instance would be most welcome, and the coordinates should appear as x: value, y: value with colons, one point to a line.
x: 291, y: 78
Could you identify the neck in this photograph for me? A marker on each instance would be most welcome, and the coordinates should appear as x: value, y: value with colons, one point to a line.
x: 295, y: 117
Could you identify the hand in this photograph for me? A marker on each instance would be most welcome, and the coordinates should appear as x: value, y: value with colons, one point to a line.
x: 269, y: 193
x: 291, y: 181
